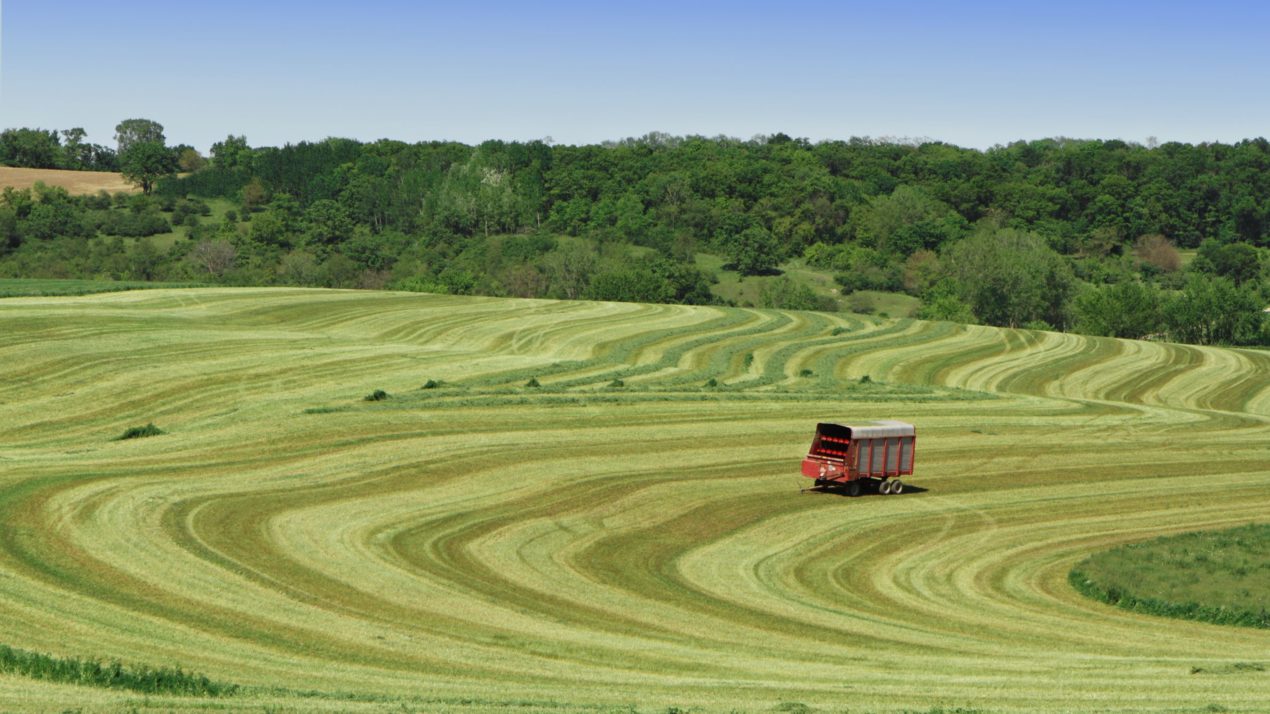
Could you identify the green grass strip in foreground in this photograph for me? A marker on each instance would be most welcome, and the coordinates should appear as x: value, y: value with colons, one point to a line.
x: 1220, y: 577
x: 110, y: 675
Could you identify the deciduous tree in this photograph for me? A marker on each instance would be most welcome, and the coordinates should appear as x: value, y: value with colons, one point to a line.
x: 145, y: 162
x: 754, y: 251
x: 134, y: 131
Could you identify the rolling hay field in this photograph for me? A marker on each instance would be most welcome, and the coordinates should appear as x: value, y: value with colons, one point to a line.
x: 586, y: 547
x: 75, y: 182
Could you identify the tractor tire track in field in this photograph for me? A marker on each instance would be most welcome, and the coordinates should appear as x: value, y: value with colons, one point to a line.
x: 579, y: 545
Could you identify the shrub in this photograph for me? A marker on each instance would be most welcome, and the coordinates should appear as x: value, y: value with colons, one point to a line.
x: 785, y: 294
x: 712, y: 383
x: 617, y: 384
x: 1157, y: 252
x: 532, y: 383
x: 806, y: 373
x: 860, y: 303
x: 378, y: 395
x: 431, y: 384
x: 140, y: 432
x: 135, y: 224
x: 866, y: 380
x: 944, y: 306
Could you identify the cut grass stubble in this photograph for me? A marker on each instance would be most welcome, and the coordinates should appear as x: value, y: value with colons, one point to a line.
x: 620, y: 532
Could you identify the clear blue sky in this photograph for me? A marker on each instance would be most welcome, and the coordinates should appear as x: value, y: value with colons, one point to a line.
x: 971, y: 73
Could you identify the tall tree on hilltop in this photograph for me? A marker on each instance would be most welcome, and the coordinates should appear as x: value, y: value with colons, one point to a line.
x: 133, y: 131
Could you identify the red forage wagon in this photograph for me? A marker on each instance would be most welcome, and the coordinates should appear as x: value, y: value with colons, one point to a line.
x: 875, y: 454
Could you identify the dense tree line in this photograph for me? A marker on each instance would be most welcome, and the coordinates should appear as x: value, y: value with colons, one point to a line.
x: 1055, y: 233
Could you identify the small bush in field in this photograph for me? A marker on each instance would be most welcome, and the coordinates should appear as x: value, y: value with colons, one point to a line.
x: 378, y: 395
x: 140, y: 432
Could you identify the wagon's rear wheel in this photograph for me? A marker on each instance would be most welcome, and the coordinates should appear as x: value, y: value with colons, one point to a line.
x: 853, y: 488
x: 897, y: 487
x: 884, y: 488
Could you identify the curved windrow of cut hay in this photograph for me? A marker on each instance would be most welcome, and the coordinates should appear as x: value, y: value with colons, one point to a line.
x: 480, y: 545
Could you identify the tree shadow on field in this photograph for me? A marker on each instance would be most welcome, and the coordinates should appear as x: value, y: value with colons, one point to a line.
x: 841, y: 490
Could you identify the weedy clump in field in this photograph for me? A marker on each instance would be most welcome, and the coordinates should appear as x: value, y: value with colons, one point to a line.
x: 532, y: 383
x: 431, y: 384
x: 110, y: 675
x: 840, y: 331
x: 1234, y: 668
x: 140, y: 432
x: 711, y: 383
x: 324, y: 410
x: 806, y: 373
x: 378, y: 395
x: 617, y: 384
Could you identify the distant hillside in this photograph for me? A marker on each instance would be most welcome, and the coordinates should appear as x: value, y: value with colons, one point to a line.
x: 77, y: 182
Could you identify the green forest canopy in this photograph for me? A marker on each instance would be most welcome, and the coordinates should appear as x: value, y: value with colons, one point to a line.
x: 1056, y: 233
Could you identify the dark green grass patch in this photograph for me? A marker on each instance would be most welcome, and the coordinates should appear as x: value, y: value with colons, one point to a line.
x: 37, y: 287
x: 1232, y: 668
x: 110, y: 675
x: 1221, y: 577
x: 140, y: 432
x: 617, y: 392
x: 325, y: 410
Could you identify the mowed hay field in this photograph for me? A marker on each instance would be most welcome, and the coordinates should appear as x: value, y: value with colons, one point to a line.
x: 580, y: 546
x: 75, y: 182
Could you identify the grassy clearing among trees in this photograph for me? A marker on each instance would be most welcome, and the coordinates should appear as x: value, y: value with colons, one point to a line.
x: 582, y: 546
x: 1221, y: 577
x: 35, y: 287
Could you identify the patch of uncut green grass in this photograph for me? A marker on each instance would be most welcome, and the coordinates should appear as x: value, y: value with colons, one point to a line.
x: 40, y: 287
x: 747, y: 290
x: 110, y: 675
x: 1221, y: 577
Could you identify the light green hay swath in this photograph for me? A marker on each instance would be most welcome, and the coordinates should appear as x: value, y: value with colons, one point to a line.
x: 481, y: 546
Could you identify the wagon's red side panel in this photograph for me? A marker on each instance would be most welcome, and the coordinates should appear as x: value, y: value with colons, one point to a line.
x: 842, y: 458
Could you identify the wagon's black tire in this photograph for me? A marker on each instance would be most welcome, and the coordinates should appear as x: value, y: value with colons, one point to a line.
x: 853, y: 488
x: 897, y: 487
x: 884, y: 488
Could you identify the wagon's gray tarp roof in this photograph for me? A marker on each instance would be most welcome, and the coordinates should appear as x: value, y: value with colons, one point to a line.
x: 881, y: 429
